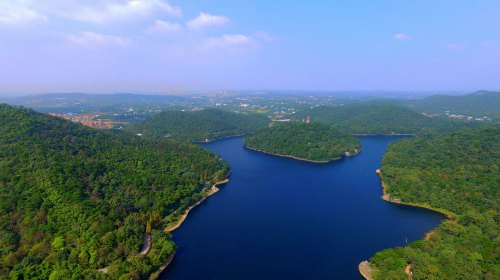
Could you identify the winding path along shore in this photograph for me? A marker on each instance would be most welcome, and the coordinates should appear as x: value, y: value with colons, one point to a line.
x: 213, y: 190
x: 364, y: 267
x: 292, y: 157
x: 148, y: 238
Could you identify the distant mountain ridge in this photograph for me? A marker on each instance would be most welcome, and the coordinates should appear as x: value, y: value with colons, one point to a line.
x: 198, y: 126
x: 382, y: 119
x: 478, y: 104
x: 76, y: 102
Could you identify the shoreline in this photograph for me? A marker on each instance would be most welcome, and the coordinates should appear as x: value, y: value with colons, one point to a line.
x: 297, y: 158
x: 213, y: 190
x: 144, y: 251
x: 365, y: 270
x: 169, y: 229
x: 157, y: 274
x: 377, y: 134
x: 217, y: 139
x: 386, y: 197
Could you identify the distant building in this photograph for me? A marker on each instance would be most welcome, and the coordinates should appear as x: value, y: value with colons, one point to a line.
x: 281, y: 120
x: 308, y: 119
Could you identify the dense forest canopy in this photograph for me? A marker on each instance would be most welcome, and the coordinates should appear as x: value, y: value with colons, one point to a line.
x: 197, y: 126
x: 478, y: 104
x: 459, y: 173
x: 75, y: 199
x: 314, y: 141
x: 376, y: 118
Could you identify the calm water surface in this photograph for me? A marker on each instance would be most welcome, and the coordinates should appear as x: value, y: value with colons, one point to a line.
x: 280, y: 218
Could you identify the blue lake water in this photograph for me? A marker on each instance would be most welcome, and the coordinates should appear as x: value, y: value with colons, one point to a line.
x: 280, y: 218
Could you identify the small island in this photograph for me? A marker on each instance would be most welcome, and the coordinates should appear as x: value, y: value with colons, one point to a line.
x: 313, y: 142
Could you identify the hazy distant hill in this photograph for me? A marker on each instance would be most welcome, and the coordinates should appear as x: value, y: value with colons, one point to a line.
x: 200, y: 125
x: 375, y: 118
x: 478, y: 104
x: 76, y: 102
x: 458, y: 173
x: 76, y: 199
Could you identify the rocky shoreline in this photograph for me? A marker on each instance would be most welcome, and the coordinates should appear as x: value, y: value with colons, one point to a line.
x: 293, y: 157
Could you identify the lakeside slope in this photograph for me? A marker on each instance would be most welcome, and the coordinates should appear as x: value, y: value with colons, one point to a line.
x: 457, y: 175
x: 77, y: 199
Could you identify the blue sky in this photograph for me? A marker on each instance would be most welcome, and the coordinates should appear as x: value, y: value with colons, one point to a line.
x: 159, y: 46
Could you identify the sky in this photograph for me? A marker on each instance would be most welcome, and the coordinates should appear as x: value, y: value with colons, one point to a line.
x: 160, y: 46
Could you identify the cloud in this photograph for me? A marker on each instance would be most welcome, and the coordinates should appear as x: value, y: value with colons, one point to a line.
x: 109, y: 11
x: 204, y: 20
x: 457, y: 47
x: 92, y: 11
x: 125, y: 10
x: 14, y: 12
x: 401, y: 37
x: 163, y: 27
x: 230, y: 42
x: 92, y: 40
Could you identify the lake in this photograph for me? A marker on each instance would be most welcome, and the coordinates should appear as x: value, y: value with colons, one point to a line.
x: 280, y: 218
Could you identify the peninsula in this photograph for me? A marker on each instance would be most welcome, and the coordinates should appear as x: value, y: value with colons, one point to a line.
x: 76, y: 199
x: 457, y: 175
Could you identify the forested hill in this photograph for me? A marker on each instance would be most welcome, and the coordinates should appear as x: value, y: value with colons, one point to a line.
x: 75, y: 199
x: 372, y: 118
x: 478, y: 104
x: 459, y: 173
x: 314, y: 142
x: 197, y: 126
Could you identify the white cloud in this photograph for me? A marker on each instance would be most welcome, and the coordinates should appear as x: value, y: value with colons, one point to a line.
x: 163, y: 27
x: 230, y: 42
x: 93, y: 11
x: 16, y: 12
x: 401, y: 37
x: 125, y: 10
x: 94, y: 40
x: 204, y: 20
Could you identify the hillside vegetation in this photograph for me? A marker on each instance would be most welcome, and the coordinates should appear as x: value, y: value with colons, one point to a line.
x: 197, y: 126
x: 478, y: 104
x: 458, y: 173
x: 373, y: 118
x: 75, y: 199
x: 315, y: 141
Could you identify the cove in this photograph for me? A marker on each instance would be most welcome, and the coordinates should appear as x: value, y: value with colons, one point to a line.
x: 280, y: 218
